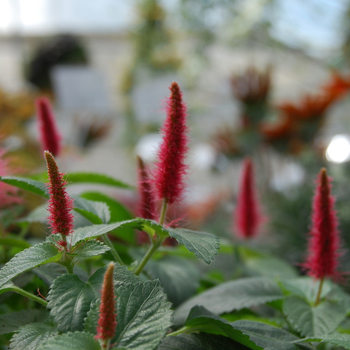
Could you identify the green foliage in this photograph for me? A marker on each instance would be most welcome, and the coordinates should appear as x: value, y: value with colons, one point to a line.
x: 96, y: 212
x: 233, y: 295
x: 30, y: 185
x: 89, y: 249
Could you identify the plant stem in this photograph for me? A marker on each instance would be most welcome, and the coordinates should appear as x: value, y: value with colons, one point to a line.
x: 318, y: 299
x: 115, y: 254
x: 180, y: 331
x: 156, y: 243
x: 29, y: 295
x: 104, y: 343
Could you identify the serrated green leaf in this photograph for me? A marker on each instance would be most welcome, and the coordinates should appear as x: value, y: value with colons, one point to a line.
x: 27, y: 259
x: 201, y: 320
x: 70, y: 298
x: 10, y: 322
x: 201, y: 341
x: 179, y: 277
x: 71, y: 341
x: 233, y: 295
x: 267, y: 337
x: 31, y: 336
x: 306, y: 288
x: 337, y: 339
x: 89, y: 249
x: 30, y: 185
x: 204, y: 245
x: 91, y: 320
x: 118, y: 213
x: 82, y: 177
x: 96, y: 212
x: 49, y: 272
x: 313, y: 321
x: 143, y: 315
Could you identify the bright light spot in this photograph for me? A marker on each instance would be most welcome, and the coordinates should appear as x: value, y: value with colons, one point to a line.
x: 148, y: 146
x: 338, y: 150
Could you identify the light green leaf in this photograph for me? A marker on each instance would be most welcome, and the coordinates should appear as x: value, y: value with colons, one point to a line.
x: 27, y: 259
x: 143, y: 315
x: 39, y: 214
x: 89, y: 249
x: 33, y: 186
x: 342, y: 340
x: 201, y: 341
x: 313, y: 321
x: 11, y: 241
x: 204, y: 245
x: 118, y: 213
x: 10, y: 322
x: 82, y: 177
x: 96, y: 212
x: 266, y: 336
x: 70, y: 298
x: 233, y: 295
x: 31, y: 336
x: 179, y: 277
x: 71, y: 341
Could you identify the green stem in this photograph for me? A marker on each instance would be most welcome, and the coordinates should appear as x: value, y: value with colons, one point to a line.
x: 156, y: 243
x: 115, y: 254
x: 104, y: 343
x: 179, y: 331
x: 29, y: 295
x: 318, y: 299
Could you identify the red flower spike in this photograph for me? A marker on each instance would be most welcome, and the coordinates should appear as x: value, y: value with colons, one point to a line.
x: 323, y: 252
x: 248, y: 217
x: 60, y: 204
x: 49, y: 135
x: 170, y: 168
x: 107, y: 322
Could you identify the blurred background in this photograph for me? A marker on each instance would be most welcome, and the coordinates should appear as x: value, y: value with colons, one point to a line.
x: 268, y: 79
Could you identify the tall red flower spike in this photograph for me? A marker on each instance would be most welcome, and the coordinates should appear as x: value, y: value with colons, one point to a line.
x: 323, y: 253
x: 49, y: 134
x: 107, y: 322
x: 171, y: 169
x: 146, y: 204
x: 248, y: 217
x: 60, y: 204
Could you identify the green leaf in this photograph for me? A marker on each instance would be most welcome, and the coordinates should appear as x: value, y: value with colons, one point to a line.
x: 267, y: 337
x: 14, y: 242
x: 118, y: 213
x: 233, y: 295
x: 33, y: 186
x: 27, y: 259
x: 204, y: 245
x: 337, y: 339
x: 313, y: 321
x: 143, y: 315
x: 201, y: 341
x: 179, y: 277
x: 49, y: 272
x: 72, y: 341
x: 201, y: 320
x: 39, y: 214
x: 306, y: 288
x: 89, y: 249
x: 96, y: 212
x: 31, y: 336
x: 91, y: 320
x: 70, y: 298
x: 10, y: 322
x: 80, y: 177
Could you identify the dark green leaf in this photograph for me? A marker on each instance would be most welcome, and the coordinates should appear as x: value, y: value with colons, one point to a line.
x: 266, y: 336
x: 10, y: 322
x: 233, y: 295
x: 27, y: 259
x: 70, y: 298
x: 204, y: 245
x: 342, y: 340
x: 143, y: 315
x: 72, y: 341
x: 200, y: 341
x: 74, y: 178
x: 91, y: 320
x: 96, y: 212
x: 49, y: 272
x: 33, y: 186
x: 313, y: 321
x: 179, y: 277
x: 118, y: 213
x: 89, y: 249
x: 14, y: 242
x: 31, y: 336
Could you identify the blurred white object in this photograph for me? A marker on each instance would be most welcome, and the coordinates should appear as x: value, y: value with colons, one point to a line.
x: 203, y: 156
x: 338, y: 150
x: 288, y: 175
x: 148, y: 146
